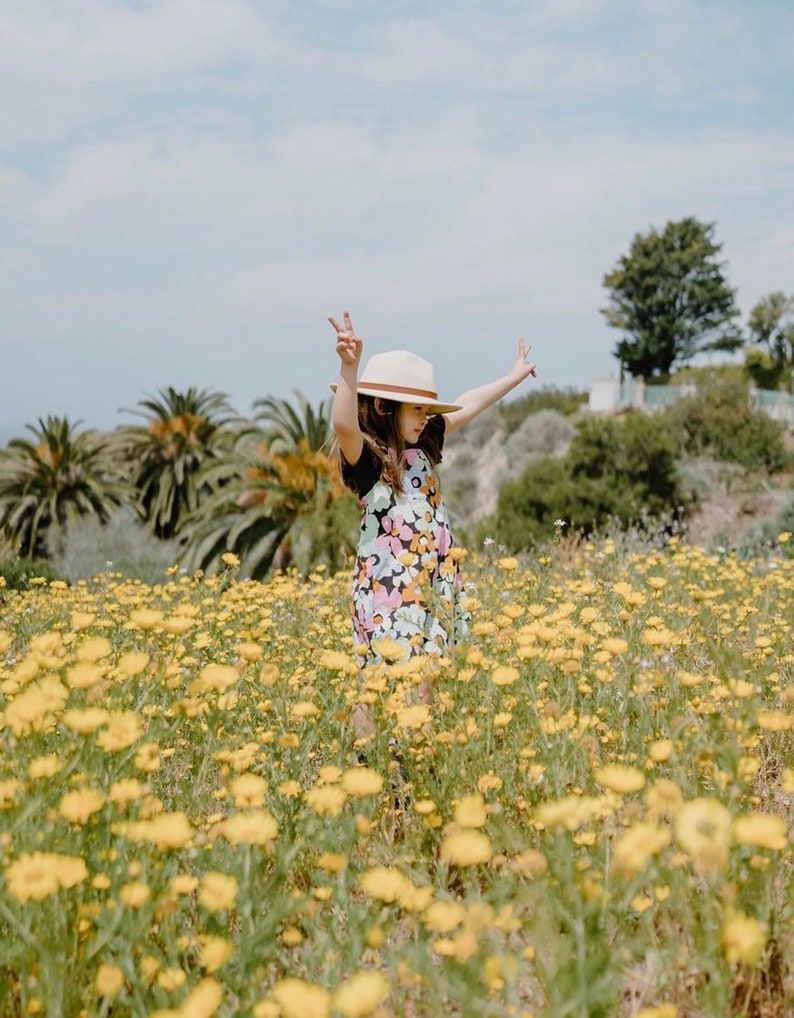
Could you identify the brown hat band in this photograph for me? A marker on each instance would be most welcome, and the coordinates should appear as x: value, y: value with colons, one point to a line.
x: 383, y: 387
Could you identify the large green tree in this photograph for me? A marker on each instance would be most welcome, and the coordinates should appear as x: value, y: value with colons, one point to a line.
x: 182, y: 432
x: 670, y: 297
x: 58, y: 476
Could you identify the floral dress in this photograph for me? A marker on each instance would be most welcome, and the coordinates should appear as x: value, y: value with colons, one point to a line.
x: 406, y: 585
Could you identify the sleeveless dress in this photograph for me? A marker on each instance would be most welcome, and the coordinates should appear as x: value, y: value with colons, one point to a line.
x: 406, y: 587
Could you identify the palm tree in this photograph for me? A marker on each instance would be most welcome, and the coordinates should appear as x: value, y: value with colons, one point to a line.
x: 287, y: 427
x: 278, y: 499
x: 183, y: 432
x: 60, y: 475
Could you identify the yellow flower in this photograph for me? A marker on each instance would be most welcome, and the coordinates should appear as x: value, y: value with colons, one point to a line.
x: 615, y: 645
x: 775, y: 721
x: 664, y: 798
x: 333, y: 862
x: 35, y: 876
x: 44, y: 767
x: 327, y: 800
x: 509, y: 563
x: 466, y: 848
x: 147, y: 757
x: 86, y: 721
x: 386, y: 883
x: 9, y: 789
x: 761, y: 830
x: 85, y: 674
x: 505, y: 675
x: 123, y: 729
x: 257, y: 827
x: 32, y: 709
x: 743, y: 939
x: 214, y: 678
x: 109, y: 980
x: 361, y: 781
x: 202, y: 1001
x: 470, y: 811
x: 530, y: 863
x: 31, y: 877
x: 79, y: 805
x: 641, y: 841
x: 361, y: 995
x: 660, y: 750
x: 184, y: 883
x: 413, y: 717
x: 169, y: 830
x: 230, y: 559
x: 703, y: 830
x: 620, y: 779
x: 69, y: 870
x: 660, y: 1011
x: 444, y: 916
x: 128, y: 790
x: 94, y: 649
x: 298, y: 999
x: 390, y: 650
x: 132, y: 663
x: 218, y: 891
x: 135, y: 894
x: 248, y: 790
x: 172, y: 979
x: 214, y: 951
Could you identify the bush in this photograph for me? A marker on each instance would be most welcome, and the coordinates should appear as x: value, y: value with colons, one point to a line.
x: 615, y: 472
x: 18, y: 572
x: 563, y: 401
x: 85, y: 548
x: 719, y: 422
x: 545, y: 433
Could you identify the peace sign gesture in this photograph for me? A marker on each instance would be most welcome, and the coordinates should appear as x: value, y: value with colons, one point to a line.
x: 523, y: 368
x: 348, y: 344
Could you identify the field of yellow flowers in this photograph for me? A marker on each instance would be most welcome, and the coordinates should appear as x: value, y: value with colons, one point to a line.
x: 591, y: 818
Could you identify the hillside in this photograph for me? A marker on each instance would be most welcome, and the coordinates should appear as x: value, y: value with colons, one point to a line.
x: 731, y: 505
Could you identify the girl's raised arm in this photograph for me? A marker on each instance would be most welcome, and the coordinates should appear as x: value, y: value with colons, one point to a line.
x: 473, y: 402
x: 344, y: 416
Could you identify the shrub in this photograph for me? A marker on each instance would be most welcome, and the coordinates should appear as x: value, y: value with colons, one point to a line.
x: 563, y: 401
x: 615, y: 472
x: 18, y: 572
x: 720, y: 422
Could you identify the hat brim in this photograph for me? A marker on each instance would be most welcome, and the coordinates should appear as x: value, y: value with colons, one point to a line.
x: 433, y: 407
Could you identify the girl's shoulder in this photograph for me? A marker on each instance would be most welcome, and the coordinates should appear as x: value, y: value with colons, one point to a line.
x: 360, y: 476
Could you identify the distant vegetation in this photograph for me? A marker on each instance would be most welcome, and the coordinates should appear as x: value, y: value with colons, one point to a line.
x: 195, y: 481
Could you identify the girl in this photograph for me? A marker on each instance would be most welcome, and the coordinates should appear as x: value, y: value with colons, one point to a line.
x: 390, y: 427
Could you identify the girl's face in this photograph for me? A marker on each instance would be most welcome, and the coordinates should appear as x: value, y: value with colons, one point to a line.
x: 412, y: 421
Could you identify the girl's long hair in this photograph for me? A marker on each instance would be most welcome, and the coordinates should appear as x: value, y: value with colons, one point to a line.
x: 379, y: 420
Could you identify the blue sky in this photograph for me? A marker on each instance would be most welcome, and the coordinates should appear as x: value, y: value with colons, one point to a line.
x: 189, y: 187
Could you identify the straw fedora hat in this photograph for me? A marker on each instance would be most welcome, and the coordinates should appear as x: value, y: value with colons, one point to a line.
x: 403, y: 377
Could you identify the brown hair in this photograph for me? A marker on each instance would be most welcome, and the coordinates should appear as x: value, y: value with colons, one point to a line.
x: 379, y: 420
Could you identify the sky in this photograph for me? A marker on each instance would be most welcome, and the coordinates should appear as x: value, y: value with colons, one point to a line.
x: 188, y: 188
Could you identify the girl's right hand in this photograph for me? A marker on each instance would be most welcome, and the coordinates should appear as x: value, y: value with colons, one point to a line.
x: 348, y: 344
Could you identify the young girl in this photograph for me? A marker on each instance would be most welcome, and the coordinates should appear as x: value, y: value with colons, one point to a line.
x: 390, y: 427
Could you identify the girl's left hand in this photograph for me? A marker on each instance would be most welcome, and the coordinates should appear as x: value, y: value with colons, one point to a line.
x: 522, y: 368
